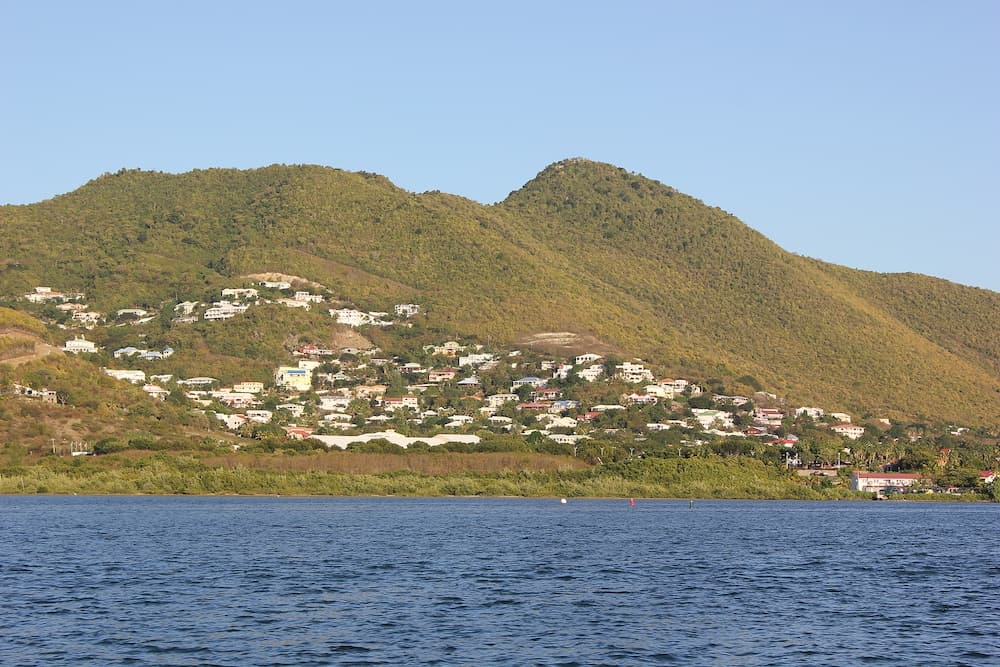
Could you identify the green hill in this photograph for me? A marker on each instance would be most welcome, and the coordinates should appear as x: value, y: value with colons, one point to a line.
x: 583, y: 247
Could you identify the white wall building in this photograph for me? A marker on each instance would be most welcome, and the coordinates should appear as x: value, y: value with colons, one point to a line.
x: 79, y: 345
x: 291, y: 377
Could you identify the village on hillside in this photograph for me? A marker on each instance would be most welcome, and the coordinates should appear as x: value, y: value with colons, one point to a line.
x: 454, y: 393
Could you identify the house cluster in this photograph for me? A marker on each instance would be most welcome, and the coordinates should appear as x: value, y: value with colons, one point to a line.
x: 49, y: 295
x: 44, y: 395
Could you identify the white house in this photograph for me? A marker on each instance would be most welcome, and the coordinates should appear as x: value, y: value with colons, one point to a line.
x: 332, y: 403
x: 713, y: 418
x: 587, y: 358
x: 308, y: 298
x: 877, y: 482
x: 812, y: 413
x: 294, y: 409
x: 240, y: 292
x: 476, y: 359
x: 290, y: 377
x: 156, y: 391
x: 350, y: 316
x: 260, y: 416
x: 248, y: 387
x: 78, y: 345
x: 527, y: 381
x: 135, y: 377
x: 497, y: 400
x: 396, y: 402
x: 567, y: 439
x: 768, y: 417
x: 852, y: 431
x: 633, y: 373
x: 235, y: 399
x: 406, y: 309
x: 292, y: 303
x: 86, y: 317
x: 223, y: 310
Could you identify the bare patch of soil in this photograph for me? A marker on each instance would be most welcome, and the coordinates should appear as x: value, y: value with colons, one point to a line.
x: 564, y: 342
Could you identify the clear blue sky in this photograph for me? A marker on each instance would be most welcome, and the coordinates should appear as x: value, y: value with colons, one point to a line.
x: 862, y: 133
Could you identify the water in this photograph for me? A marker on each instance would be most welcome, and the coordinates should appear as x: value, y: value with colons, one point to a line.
x: 275, y: 581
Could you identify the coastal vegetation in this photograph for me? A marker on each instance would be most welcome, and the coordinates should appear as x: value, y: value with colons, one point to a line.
x: 401, y: 474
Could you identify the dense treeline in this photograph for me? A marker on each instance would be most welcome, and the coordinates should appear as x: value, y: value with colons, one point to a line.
x: 179, y: 474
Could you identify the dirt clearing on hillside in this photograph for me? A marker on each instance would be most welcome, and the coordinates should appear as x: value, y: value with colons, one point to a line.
x: 564, y: 342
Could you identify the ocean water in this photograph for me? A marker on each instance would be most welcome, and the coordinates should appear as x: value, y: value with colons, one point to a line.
x: 293, y: 581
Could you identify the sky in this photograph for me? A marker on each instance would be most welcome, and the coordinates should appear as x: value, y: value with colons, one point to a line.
x: 861, y: 133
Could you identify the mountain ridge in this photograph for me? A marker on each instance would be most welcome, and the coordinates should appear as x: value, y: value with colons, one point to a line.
x: 583, y: 246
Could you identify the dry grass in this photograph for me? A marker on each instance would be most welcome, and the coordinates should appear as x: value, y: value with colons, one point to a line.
x: 359, y: 463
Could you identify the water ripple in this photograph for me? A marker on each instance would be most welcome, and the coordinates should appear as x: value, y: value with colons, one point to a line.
x: 263, y: 581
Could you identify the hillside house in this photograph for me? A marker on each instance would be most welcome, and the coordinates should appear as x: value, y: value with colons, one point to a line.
x: 350, y: 317
x: 442, y: 375
x: 530, y: 381
x: 46, y: 395
x: 334, y: 403
x: 476, y: 359
x: 294, y: 409
x: 260, y: 416
x: 306, y: 297
x: 851, y: 431
x: 156, y: 391
x: 534, y: 405
x: 79, y: 345
x: 633, y: 373
x: 877, y: 482
x: 241, y: 293
x: 293, y: 303
x: 370, y: 391
x: 591, y: 373
x: 769, y: 417
x: 248, y: 387
x: 235, y: 399
x: 546, y: 394
x: 587, y: 358
x: 200, y: 381
x: 639, y: 399
x: 86, y: 317
x: 713, y: 418
x: 497, y: 400
x: 224, y: 310
x: 449, y: 348
x: 292, y: 377
x: 135, y: 377
x: 391, y: 404
x: 406, y: 309
x: 232, y: 422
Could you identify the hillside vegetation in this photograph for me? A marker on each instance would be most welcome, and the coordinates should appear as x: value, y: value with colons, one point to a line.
x: 583, y: 247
